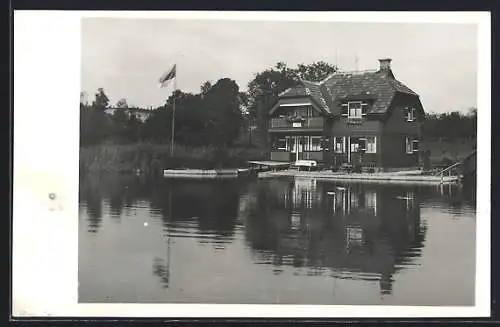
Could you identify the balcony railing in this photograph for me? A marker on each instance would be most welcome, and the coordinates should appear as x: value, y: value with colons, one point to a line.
x: 286, y: 123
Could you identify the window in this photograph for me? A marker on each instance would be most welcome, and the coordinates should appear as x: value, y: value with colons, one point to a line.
x: 358, y: 144
x: 315, y: 143
x: 362, y: 143
x: 290, y: 143
x: 371, y: 144
x: 339, y: 144
x: 408, y: 145
x: 411, y: 145
x: 301, y: 111
x: 354, y: 109
x: 281, y: 144
x: 415, y: 145
x: 410, y: 114
x: 305, y: 143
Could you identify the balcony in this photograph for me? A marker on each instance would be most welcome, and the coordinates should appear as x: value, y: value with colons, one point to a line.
x: 286, y: 124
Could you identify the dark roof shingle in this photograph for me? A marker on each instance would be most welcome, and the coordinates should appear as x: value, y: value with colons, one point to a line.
x: 378, y: 86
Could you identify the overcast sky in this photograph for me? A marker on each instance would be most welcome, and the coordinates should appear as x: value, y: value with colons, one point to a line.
x: 127, y: 56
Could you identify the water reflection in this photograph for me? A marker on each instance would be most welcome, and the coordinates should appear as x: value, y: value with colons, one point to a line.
x: 213, y: 206
x: 356, y: 231
x: 359, y: 232
x: 91, y: 198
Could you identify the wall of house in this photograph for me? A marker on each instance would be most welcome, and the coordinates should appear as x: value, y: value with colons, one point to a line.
x: 394, y: 152
x: 396, y: 128
x: 367, y: 127
x: 396, y: 122
x: 328, y: 142
x: 285, y: 155
x: 366, y: 159
x: 280, y: 156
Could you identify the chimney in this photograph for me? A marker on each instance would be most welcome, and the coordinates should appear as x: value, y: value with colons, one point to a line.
x: 385, y: 64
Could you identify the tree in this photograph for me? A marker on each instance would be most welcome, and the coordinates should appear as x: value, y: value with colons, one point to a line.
x: 83, y: 97
x: 205, y: 87
x: 277, y: 79
x: 316, y: 71
x: 213, y: 117
x: 223, y: 105
x: 101, y: 99
x: 159, y: 126
x: 133, y: 128
x: 119, y: 120
x: 122, y: 103
x: 95, y: 125
x: 450, y: 125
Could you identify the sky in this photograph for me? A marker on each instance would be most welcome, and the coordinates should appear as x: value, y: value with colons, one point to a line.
x: 126, y: 56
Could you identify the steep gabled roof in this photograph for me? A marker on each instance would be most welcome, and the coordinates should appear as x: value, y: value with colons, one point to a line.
x: 307, y: 89
x: 296, y: 91
x: 314, y: 89
x: 376, y: 86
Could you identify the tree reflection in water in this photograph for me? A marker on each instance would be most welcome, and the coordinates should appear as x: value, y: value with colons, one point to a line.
x: 356, y: 231
x: 348, y: 231
x: 162, y: 270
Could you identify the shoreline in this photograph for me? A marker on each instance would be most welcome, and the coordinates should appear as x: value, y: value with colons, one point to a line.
x: 398, y: 177
x: 388, y: 177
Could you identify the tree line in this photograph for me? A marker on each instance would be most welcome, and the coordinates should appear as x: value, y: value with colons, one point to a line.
x: 450, y: 125
x: 216, y: 116
x: 221, y: 114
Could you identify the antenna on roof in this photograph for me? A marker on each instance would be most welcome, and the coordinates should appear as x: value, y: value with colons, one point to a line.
x: 356, y: 61
x: 337, y: 58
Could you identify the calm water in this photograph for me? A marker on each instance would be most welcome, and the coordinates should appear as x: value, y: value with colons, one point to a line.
x: 275, y: 241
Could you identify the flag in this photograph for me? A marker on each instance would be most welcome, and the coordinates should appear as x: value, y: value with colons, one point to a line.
x: 167, y: 77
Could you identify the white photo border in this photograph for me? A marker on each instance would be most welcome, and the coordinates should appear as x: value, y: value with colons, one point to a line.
x: 47, y: 65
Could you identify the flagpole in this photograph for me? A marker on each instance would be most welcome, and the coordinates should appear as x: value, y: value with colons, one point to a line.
x: 173, y: 116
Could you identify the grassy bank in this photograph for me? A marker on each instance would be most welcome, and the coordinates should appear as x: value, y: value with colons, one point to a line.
x: 153, y: 158
x: 453, y: 150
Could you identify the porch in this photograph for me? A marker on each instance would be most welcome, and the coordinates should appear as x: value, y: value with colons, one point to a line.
x: 289, y: 156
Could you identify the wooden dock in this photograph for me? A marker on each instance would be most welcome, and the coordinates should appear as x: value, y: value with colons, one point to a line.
x: 261, y: 166
x: 392, y: 177
x: 201, y: 173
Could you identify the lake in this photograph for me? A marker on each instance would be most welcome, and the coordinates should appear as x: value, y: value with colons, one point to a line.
x: 275, y: 241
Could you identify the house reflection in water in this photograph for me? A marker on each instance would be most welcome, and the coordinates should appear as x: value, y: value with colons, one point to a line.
x: 355, y: 231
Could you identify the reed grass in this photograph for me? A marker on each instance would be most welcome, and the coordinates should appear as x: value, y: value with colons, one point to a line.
x: 153, y: 158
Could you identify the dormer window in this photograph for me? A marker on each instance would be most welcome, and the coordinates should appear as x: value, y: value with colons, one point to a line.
x: 354, y: 109
x: 410, y: 114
